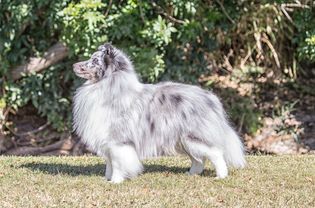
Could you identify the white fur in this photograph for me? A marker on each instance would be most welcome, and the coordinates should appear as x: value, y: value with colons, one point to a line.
x: 125, y: 121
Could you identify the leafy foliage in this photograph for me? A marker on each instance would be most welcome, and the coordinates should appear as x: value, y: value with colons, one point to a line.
x: 178, y: 39
x: 83, y: 25
x: 306, y: 39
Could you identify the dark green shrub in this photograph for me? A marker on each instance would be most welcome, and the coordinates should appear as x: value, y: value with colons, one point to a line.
x: 178, y: 39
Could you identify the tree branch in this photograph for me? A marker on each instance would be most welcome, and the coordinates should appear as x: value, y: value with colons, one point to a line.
x: 225, y: 12
x: 66, y: 144
x: 171, y: 18
x: 273, y: 50
x: 55, y: 54
x: 108, y: 8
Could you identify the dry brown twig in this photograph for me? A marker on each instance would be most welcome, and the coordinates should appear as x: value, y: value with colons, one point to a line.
x: 66, y: 144
x: 41, y: 128
x: 227, y: 64
x: 273, y: 50
x: 285, y: 7
x: 160, y: 11
x: 40, y: 140
x: 249, y: 53
x: 225, y: 12
x: 241, y: 123
x: 108, y: 8
x: 141, y: 12
x: 296, y: 5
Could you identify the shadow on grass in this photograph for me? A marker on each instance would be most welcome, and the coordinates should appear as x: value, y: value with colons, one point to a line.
x: 99, y: 169
x: 71, y: 170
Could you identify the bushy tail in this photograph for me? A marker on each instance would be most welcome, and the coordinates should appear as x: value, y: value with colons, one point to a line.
x: 234, y: 150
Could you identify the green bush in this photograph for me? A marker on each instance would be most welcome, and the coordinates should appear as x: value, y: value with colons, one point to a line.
x: 177, y: 39
x: 306, y: 35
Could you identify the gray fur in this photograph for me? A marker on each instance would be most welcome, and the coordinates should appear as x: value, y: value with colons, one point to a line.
x: 163, y: 119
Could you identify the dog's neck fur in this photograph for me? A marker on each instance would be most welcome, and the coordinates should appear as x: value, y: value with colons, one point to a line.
x: 95, y: 104
x: 114, y: 90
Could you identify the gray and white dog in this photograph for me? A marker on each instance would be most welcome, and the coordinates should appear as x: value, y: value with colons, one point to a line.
x: 125, y: 121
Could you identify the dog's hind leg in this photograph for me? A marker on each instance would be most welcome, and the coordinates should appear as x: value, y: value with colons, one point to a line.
x: 197, y: 165
x: 125, y: 162
x: 108, y: 167
x: 108, y: 170
x: 216, y: 157
x: 197, y: 159
x: 198, y: 151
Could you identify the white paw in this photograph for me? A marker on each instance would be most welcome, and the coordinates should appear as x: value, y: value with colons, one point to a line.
x: 193, y: 173
x: 108, y: 176
x: 116, y: 179
x: 221, y: 176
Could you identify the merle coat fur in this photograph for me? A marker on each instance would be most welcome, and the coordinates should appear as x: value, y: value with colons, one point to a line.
x: 125, y: 121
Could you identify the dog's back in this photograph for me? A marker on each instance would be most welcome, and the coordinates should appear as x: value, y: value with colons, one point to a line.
x: 177, y: 112
x: 124, y: 120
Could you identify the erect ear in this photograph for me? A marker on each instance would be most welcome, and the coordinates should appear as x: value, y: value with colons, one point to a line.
x: 107, y: 48
x: 108, y: 51
x: 107, y: 59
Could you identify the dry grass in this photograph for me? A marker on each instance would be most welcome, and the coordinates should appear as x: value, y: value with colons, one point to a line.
x: 268, y: 181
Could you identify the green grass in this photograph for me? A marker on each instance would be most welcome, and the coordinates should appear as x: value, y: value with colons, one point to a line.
x: 268, y: 181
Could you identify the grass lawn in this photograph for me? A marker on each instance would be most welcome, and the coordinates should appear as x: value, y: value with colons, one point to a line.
x: 267, y: 181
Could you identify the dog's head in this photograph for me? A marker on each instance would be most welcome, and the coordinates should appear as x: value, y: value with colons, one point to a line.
x: 106, y: 61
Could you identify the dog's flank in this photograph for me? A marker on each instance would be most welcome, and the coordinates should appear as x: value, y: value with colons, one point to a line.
x: 125, y: 121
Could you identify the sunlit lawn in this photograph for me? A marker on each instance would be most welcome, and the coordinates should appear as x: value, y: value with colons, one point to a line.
x: 268, y: 181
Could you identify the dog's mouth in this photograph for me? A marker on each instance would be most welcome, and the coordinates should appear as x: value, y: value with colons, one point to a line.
x: 82, y: 74
x: 80, y: 71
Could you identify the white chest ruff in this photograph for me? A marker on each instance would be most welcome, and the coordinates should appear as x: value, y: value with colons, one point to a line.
x: 91, y: 116
x: 99, y: 116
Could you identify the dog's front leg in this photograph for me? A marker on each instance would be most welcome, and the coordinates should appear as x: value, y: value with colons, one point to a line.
x: 125, y: 162
x: 108, y: 169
